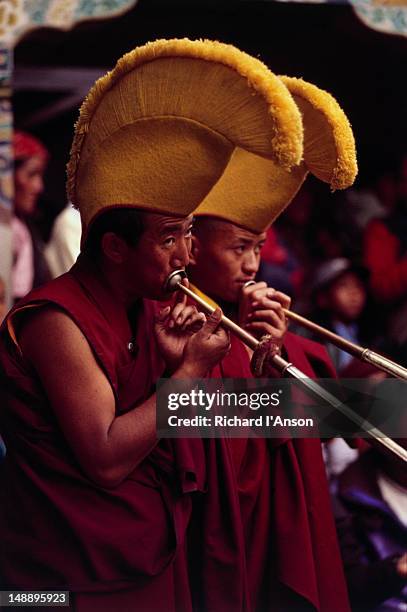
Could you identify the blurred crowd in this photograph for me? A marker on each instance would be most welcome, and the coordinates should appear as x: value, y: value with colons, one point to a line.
x: 38, y: 254
x: 343, y: 260
x: 341, y: 257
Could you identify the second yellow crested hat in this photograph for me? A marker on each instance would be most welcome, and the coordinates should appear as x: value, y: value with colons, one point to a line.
x: 253, y: 190
x: 157, y: 132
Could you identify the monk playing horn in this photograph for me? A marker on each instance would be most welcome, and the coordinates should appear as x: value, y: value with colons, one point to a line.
x: 280, y: 502
x: 91, y: 502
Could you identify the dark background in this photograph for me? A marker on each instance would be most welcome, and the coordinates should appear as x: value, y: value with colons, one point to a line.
x: 323, y: 43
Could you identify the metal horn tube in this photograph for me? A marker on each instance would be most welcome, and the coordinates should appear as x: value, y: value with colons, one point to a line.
x: 174, y: 283
x: 364, y: 354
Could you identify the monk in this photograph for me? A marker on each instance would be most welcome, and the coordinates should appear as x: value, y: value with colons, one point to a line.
x: 87, y: 420
x: 276, y: 490
x: 279, y: 482
x: 91, y: 501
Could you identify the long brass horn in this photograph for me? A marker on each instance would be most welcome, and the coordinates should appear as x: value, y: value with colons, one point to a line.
x: 174, y: 283
x: 364, y: 354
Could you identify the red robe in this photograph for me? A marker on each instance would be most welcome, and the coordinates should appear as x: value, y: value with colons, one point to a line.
x: 253, y: 537
x: 277, y: 517
x: 114, y: 548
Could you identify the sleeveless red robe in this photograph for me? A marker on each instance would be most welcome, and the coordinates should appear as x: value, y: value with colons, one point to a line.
x: 114, y: 548
x: 277, y: 491
x: 135, y: 545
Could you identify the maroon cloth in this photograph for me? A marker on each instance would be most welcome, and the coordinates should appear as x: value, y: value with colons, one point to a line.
x: 260, y: 538
x: 58, y: 529
x: 276, y: 492
x: 322, y: 573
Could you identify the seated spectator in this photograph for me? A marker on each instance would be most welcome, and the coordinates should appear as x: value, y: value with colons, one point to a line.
x: 371, y: 513
x: 29, y: 268
x: 64, y: 245
x: 339, y: 295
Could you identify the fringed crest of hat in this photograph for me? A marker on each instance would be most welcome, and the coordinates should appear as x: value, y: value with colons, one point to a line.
x: 253, y: 191
x: 329, y: 144
x: 158, y: 130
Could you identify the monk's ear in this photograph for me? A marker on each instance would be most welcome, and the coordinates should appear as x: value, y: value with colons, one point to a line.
x: 195, y: 250
x: 114, y: 247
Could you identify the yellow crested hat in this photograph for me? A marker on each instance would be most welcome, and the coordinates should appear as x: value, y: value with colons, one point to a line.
x: 157, y: 131
x: 253, y: 191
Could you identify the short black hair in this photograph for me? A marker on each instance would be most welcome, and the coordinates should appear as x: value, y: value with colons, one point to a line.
x: 128, y: 223
x: 204, y: 224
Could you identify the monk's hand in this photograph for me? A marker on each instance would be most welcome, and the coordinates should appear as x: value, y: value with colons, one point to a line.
x: 184, y: 318
x: 261, y: 312
x: 173, y: 327
x: 206, y: 348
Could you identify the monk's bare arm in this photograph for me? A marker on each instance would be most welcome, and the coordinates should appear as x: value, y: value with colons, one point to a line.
x: 107, y: 447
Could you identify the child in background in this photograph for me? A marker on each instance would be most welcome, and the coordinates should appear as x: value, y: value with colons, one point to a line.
x: 340, y: 295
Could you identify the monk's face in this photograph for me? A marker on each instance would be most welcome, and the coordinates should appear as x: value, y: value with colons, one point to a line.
x: 224, y: 258
x: 164, y: 246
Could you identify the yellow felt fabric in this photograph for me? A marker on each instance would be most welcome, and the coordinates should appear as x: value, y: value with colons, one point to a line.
x: 223, y: 97
x: 253, y: 191
x: 132, y: 168
x: 329, y: 144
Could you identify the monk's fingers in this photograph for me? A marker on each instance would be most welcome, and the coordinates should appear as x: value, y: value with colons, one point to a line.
x: 271, y: 295
x: 277, y: 296
x: 181, y: 316
x: 273, y: 317
x: 266, y: 302
x: 282, y: 298
x: 248, y: 291
x: 262, y: 293
x: 194, y: 322
x: 270, y: 320
x: 260, y: 328
x: 176, y: 316
x: 162, y: 314
x: 267, y: 298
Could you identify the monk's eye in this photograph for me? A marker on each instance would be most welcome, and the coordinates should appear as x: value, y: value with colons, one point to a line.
x: 169, y: 242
